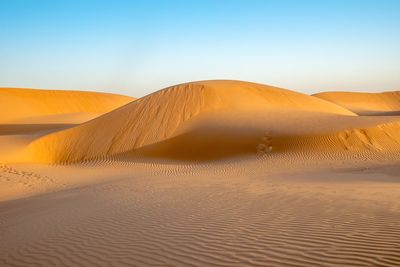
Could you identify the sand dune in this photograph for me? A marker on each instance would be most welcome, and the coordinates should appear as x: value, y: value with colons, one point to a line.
x: 387, y: 103
x: 19, y: 105
x: 209, y: 173
x: 215, y: 119
x: 158, y: 116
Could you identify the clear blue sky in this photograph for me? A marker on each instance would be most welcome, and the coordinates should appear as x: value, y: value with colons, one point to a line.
x: 136, y: 47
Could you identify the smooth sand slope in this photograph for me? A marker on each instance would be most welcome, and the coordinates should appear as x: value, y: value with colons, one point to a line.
x: 209, y: 173
x: 386, y: 103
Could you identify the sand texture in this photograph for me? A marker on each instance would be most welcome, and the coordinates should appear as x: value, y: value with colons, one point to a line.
x: 207, y: 173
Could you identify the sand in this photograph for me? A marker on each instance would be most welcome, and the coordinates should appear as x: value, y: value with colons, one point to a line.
x: 208, y: 173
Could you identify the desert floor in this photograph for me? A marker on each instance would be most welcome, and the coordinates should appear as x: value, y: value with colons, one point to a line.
x: 226, y: 214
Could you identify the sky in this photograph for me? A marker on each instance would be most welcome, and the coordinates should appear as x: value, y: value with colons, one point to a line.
x: 137, y: 47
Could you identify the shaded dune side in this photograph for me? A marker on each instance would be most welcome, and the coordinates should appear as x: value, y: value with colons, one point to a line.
x: 157, y: 117
x: 386, y: 103
x: 382, y: 138
x: 343, y: 135
x: 18, y: 105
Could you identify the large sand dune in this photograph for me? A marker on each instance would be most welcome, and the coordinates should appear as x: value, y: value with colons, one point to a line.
x: 209, y: 173
x: 158, y: 117
x: 215, y: 119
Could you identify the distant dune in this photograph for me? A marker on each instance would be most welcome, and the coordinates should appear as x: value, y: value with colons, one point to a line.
x: 27, y: 106
x: 386, y: 103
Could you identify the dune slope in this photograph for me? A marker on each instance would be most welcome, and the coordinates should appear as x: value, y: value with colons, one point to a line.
x: 386, y: 103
